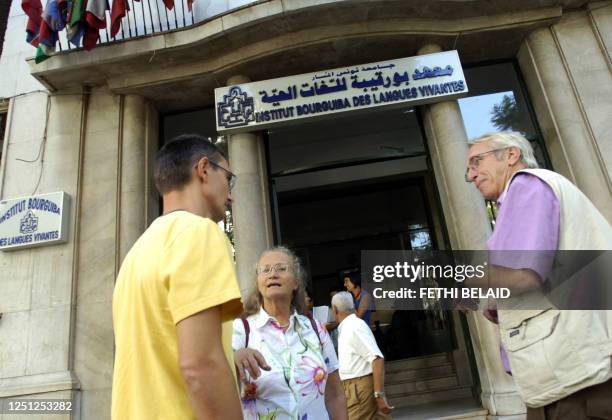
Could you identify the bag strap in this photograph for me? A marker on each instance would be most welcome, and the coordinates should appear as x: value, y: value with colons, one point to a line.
x: 316, y: 330
x: 247, y: 330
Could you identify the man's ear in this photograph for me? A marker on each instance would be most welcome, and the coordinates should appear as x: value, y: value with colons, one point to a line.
x: 514, y: 155
x: 201, y: 168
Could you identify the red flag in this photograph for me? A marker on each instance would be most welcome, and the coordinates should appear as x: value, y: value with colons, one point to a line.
x: 33, y: 9
x: 169, y: 4
x: 95, y: 19
x: 46, y: 33
x: 190, y: 5
x: 118, y: 11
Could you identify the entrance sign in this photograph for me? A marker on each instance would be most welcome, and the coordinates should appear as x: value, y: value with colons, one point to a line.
x: 407, y: 81
x: 34, y: 221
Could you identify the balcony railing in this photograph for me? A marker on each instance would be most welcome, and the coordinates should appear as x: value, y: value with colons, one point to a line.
x: 147, y: 17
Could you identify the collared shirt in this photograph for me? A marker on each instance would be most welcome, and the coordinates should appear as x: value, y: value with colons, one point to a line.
x: 295, y: 386
x: 528, y: 219
x: 357, y: 348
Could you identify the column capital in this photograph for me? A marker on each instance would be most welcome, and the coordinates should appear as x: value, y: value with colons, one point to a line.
x: 237, y: 79
x: 429, y: 49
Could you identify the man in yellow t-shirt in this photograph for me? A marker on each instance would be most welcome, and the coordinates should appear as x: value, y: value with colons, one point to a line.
x: 176, y: 296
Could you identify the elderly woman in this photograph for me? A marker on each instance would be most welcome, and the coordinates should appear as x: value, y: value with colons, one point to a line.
x: 286, y: 361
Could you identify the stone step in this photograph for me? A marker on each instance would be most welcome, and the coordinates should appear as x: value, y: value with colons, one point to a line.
x: 414, y: 374
x: 461, y: 409
x: 416, y: 363
x: 425, y: 385
x: 481, y: 414
x: 403, y: 400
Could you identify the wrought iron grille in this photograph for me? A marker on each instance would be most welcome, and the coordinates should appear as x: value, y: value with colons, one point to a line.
x: 144, y: 17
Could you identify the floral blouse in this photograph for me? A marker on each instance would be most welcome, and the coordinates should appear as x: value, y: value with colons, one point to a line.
x: 294, y: 388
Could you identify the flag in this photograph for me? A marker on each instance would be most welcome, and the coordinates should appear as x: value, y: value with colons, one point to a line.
x: 118, y: 11
x: 43, y: 52
x: 169, y: 4
x: 75, y: 28
x: 53, y: 17
x: 33, y: 9
x: 95, y: 19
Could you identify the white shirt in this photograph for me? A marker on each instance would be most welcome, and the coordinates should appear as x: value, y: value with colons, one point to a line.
x: 357, y: 348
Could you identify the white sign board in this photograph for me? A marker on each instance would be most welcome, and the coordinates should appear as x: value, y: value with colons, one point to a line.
x: 407, y: 81
x: 34, y: 221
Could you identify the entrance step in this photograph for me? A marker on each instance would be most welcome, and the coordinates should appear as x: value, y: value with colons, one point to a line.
x: 392, y: 377
x: 422, y: 380
x: 423, y: 385
x: 428, y: 397
x: 461, y: 409
x: 440, y: 359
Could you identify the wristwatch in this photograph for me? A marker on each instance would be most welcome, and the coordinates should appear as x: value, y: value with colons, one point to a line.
x: 379, y: 394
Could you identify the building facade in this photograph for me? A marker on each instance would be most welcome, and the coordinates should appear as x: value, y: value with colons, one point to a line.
x: 90, y: 122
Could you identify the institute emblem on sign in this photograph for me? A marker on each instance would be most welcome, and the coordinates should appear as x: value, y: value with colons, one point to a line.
x: 236, y: 109
x: 29, y: 223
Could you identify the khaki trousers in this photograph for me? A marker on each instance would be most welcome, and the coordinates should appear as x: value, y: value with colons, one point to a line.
x: 360, y: 400
x: 594, y: 402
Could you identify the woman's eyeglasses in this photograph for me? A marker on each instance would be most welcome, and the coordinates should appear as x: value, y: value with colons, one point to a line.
x: 279, y: 268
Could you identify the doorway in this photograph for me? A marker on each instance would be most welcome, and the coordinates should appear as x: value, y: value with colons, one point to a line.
x: 360, y: 183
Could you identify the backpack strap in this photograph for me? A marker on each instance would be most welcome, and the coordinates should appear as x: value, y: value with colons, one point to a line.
x: 316, y: 330
x: 247, y: 330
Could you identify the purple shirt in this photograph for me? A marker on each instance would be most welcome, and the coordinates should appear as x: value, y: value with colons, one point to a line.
x: 528, y: 219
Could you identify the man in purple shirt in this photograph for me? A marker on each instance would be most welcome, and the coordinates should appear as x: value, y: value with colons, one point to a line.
x: 528, y: 220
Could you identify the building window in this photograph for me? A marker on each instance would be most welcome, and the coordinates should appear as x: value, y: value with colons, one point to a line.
x: 498, y: 101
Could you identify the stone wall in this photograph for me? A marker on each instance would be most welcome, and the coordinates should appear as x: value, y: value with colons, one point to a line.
x: 56, y: 330
x: 568, y: 72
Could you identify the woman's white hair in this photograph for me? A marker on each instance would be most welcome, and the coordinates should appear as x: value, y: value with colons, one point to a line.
x: 505, y: 139
x: 343, y: 301
x: 254, y: 300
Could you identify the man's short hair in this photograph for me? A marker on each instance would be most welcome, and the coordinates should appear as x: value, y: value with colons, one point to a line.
x: 176, y: 159
x: 506, y: 139
x: 343, y: 301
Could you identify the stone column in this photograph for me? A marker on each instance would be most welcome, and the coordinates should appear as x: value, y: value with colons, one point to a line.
x: 132, y: 171
x: 466, y: 221
x: 138, y: 200
x: 251, y: 204
x: 570, y: 85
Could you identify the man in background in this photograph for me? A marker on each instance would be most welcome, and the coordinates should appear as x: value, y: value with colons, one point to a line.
x: 362, y: 368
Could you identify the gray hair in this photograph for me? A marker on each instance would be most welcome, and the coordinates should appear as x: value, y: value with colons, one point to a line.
x: 255, y: 299
x: 343, y: 301
x: 507, y: 139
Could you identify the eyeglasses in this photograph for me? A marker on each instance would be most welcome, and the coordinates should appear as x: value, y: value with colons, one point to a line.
x: 279, y: 268
x: 231, y: 178
x: 474, y: 162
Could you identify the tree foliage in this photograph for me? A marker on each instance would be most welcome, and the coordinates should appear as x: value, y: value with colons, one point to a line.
x: 505, y: 115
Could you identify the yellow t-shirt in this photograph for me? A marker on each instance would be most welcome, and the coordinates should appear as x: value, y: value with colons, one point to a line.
x: 180, y: 266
